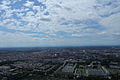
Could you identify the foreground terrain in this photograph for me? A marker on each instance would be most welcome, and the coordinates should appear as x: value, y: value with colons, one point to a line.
x: 65, y: 63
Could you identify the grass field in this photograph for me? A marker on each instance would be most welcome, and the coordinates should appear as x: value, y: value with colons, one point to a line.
x: 81, y: 68
x: 114, y: 71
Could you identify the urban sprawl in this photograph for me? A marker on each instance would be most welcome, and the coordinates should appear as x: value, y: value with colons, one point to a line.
x: 65, y: 63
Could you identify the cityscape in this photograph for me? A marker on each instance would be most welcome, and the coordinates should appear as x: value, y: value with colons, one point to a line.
x: 60, y: 63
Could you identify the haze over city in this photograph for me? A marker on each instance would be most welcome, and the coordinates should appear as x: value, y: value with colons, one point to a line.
x: 59, y: 23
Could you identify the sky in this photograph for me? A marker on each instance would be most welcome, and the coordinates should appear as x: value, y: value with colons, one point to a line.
x: 32, y: 23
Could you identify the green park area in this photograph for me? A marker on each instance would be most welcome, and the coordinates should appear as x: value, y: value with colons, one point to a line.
x: 81, y: 68
x: 114, y: 71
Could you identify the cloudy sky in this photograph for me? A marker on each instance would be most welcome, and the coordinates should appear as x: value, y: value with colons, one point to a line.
x: 59, y: 22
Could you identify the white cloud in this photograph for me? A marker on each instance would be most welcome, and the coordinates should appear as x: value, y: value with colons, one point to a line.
x: 3, y: 7
x: 30, y: 13
x: 80, y: 9
x: 77, y: 35
x: 112, y: 23
x: 29, y: 4
x: 116, y: 34
x: 36, y: 8
x: 6, y: 2
x: 41, y: 1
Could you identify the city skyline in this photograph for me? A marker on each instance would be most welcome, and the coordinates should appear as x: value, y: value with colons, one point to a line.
x: 35, y: 23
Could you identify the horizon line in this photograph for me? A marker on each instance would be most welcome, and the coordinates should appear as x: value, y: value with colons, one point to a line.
x: 63, y: 46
